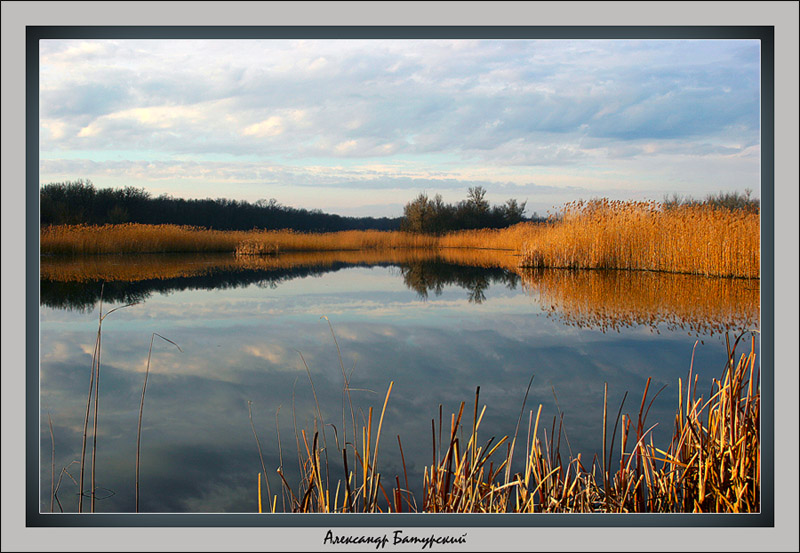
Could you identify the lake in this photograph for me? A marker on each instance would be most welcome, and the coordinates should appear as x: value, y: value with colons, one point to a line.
x: 274, y: 338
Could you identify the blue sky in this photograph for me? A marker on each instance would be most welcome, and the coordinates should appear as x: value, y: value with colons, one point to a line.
x: 360, y: 127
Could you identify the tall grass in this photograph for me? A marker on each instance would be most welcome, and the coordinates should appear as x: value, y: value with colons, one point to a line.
x: 141, y: 409
x: 510, y: 238
x: 711, y: 464
x: 137, y: 238
x: 603, y: 234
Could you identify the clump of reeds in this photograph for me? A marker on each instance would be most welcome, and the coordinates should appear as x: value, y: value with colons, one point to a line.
x: 716, y: 445
x: 603, y: 234
x: 509, y: 238
x: 256, y: 247
x: 712, y: 463
x: 360, y: 489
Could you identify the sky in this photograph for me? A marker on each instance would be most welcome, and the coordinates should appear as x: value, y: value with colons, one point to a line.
x: 361, y: 127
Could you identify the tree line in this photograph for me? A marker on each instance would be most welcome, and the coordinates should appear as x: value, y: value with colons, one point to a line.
x: 80, y: 202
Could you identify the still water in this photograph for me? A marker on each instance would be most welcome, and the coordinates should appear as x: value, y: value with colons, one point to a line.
x: 273, y: 334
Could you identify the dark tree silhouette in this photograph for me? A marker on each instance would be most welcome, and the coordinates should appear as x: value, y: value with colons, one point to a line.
x: 433, y: 216
x: 79, y: 202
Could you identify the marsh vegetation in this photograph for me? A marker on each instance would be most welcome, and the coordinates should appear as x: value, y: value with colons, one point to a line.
x: 692, y: 239
x: 565, y: 299
x: 712, y: 464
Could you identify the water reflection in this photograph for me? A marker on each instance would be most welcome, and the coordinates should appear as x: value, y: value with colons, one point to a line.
x: 437, y: 324
x: 611, y: 300
x: 603, y: 300
x: 433, y: 276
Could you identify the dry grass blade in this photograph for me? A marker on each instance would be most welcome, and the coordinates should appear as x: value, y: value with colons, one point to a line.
x: 141, y: 408
x: 52, y: 463
x: 94, y: 394
x: 260, y: 456
x: 516, y: 429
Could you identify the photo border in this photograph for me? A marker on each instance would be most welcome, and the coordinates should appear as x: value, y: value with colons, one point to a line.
x: 763, y: 33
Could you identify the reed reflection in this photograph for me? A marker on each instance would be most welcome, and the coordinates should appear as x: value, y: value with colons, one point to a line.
x: 612, y: 300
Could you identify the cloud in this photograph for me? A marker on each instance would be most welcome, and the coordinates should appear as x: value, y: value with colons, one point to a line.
x: 269, y: 127
x: 253, y: 172
x: 482, y: 97
x: 306, y: 112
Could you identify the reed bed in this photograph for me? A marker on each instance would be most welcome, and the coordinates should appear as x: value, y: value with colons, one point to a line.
x: 603, y: 234
x: 277, y: 241
x: 712, y: 463
x: 598, y: 234
x: 136, y: 238
x: 510, y: 238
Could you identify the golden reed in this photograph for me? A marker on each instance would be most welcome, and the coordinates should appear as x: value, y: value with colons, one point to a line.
x: 605, y: 234
x: 136, y: 238
x: 599, y: 234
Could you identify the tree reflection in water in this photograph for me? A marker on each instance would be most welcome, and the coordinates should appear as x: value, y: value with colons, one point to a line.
x: 434, y: 276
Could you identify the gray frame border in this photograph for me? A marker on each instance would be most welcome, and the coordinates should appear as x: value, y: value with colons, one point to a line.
x: 763, y: 33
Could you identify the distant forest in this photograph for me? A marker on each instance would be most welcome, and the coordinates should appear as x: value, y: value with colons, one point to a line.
x: 80, y: 202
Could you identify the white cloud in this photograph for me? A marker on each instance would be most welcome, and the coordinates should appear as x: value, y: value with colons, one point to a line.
x: 269, y: 127
x: 454, y: 107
